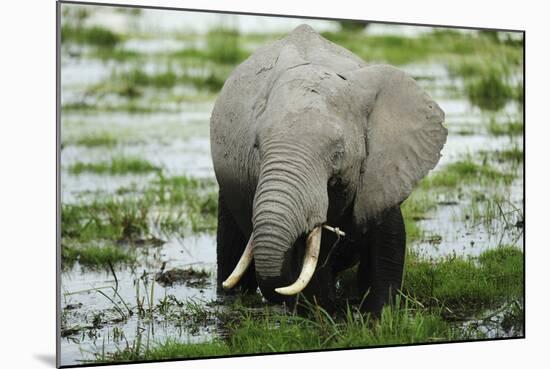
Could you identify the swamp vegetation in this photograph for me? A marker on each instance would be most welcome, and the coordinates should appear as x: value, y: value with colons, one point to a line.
x: 139, y: 198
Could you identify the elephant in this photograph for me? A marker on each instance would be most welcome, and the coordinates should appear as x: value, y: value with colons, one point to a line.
x: 305, y: 137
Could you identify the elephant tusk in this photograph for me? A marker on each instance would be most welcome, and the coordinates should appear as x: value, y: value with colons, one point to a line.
x: 313, y: 246
x: 240, y: 269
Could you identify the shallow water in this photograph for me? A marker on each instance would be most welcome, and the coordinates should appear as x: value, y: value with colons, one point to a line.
x: 175, y: 137
x: 77, y: 286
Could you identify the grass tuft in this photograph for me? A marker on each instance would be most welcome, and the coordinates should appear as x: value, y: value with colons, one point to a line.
x: 275, y: 331
x: 467, y: 285
x: 224, y: 46
x: 96, y: 140
x: 118, y: 165
x: 137, y: 77
x: 490, y: 92
x: 505, y: 129
x: 109, y: 220
x: 465, y: 172
x: 95, y: 256
x: 95, y: 36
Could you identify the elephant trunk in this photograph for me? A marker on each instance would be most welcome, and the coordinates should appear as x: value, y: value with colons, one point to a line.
x: 290, y: 201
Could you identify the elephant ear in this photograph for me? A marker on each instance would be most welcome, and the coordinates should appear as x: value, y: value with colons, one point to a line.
x: 404, y: 137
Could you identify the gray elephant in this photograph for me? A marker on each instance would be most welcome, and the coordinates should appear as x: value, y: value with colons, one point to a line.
x: 305, y: 135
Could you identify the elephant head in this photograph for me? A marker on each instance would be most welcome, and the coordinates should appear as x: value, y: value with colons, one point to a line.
x: 328, y: 142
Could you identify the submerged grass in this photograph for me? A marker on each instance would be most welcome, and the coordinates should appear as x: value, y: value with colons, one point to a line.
x: 118, y: 165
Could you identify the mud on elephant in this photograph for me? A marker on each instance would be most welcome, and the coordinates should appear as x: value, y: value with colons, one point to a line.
x: 306, y: 134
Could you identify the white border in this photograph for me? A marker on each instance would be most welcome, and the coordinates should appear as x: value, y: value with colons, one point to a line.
x: 27, y: 192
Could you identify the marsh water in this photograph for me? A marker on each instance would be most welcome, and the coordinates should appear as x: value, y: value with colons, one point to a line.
x: 169, y: 128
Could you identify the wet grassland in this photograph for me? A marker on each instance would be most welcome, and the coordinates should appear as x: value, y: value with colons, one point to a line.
x: 139, y: 199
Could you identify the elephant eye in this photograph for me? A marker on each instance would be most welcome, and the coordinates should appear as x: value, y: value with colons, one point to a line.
x: 336, y: 156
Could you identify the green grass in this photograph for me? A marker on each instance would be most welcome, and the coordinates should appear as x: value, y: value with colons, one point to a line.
x: 465, y: 172
x: 180, y: 203
x: 467, y: 285
x: 95, y: 256
x: 490, y: 92
x: 417, y: 207
x: 487, y: 81
x: 440, y: 45
x: 505, y: 129
x: 118, y: 54
x: 138, y: 77
x: 352, y: 25
x: 274, y: 331
x: 95, y: 36
x: 97, y: 140
x: 131, y: 84
x: 169, y: 349
x: 108, y: 220
x: 476, y: 66
x: 198, y: 198
x: 212, y: 82
x: 128, y: 107
x: 224, y: 46
x: 514, y: 155
x: 504, y: 267
x: 413, y: 230
x: 438, y: 296
x: 118, y: 165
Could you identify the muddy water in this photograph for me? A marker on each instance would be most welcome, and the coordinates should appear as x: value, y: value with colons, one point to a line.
x: 175, y: 137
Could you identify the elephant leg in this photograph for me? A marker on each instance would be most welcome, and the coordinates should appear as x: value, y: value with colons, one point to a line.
x: 382, y: 261
x: 230, y: 246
